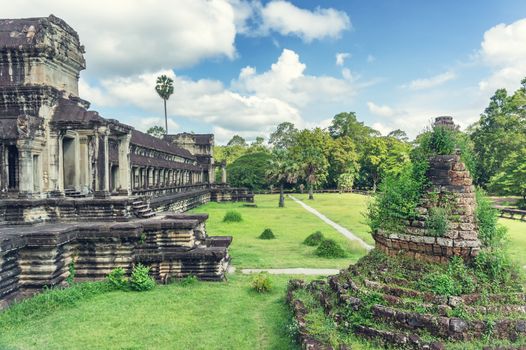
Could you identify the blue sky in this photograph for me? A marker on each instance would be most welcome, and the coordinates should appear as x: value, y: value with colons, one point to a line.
x: 241, y: 67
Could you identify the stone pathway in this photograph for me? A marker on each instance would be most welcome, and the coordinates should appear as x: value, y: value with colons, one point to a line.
x: 293, y: 271
x: 337, y: 227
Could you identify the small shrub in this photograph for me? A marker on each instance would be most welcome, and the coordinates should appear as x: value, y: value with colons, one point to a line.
x: 261, y: 283
x: 267, y: 234
x: 188, y: 280
x: 441, y: 284
x: 71, y: 277
x: 232, y: 216
x: 314, y: 239
x: 437, y: 221
x: 117, y: 279
x: 329, y: 248
x: 140, y: 279
x: 521, y: 204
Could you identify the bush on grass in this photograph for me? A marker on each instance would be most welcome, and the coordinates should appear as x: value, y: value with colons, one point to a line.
x: 267, y: 234
x: 329, y: 248
x: 314, y: 239
x: 140, y: 279
x: 232, y: 216
x: 261, y: 283
x: 117, y: 279
x: 188, y: 280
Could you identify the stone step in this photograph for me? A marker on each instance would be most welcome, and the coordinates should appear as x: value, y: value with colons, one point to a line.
x: 148, y: 215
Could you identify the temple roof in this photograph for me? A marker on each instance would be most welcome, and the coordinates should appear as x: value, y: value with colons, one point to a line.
x: 26, y: 32
x: 142, y: 139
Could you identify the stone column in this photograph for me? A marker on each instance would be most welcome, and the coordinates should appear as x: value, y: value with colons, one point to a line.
x: 25, y: 164
x: 85, y: 173
x: 3, y: 169
x: 223, y: 173
x: 124, y: 165
x: 103, y: 180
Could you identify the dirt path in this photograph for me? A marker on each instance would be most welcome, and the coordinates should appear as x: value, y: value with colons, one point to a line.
x: 337, y: 227
x: 293, y: 271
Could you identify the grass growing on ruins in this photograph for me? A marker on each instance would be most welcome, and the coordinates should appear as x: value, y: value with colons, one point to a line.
x: 201, y: 315
x: 346, y: 209
x: 291, y: 225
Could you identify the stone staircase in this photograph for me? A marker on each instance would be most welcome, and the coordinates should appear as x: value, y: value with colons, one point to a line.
x: 142, y: 210
x: 73, y: 193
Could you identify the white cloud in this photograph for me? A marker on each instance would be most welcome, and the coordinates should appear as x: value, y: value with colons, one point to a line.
x: 427, y: 83
x: 123, y: 37
x: 346, y: 74
x: 252, y: 105
x: 340, y: 58
x: 287, y: 19
x: 382, y: 111
x: 504, y: 50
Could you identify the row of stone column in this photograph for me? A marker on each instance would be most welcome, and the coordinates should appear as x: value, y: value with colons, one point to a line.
x: 151, y: 177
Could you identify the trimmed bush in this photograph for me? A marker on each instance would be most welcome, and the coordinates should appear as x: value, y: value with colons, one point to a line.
x: 140, y: 279
x: 232, y: 216
x: 261, y: 283
x: 329, y: 248
x: 117, y: 278
x: 267, y: 234
x: 314, y: 239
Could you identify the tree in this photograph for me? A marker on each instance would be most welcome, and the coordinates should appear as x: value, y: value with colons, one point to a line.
x: 346, y: 181
x: 382, y: 156
x: 283, y: 136
x: 258, y: 141
x: 398, y: 134
x: 511, y: 179
x: 343, y: 159
x: 347, y: 124
x: 282, y: 170
x: 165, y: 89
x: 500, y: 131
x: 250, y: 171
x: 237, y: 140
x: 310, y: 152
x: 156, y: 131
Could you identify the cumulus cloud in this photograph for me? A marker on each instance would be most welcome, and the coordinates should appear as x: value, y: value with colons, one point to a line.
x: 427, y: 83
x: 287, y: 19
x: 253, y: 104
x: 383, y: 111
x: 504, y: 50
x: 123, y: 37
x: 340, y: 58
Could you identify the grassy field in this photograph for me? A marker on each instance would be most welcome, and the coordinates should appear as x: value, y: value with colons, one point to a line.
x: 227, y: 315
x: 347, y: 209
x: 517, y: 237
x: 290, y: 225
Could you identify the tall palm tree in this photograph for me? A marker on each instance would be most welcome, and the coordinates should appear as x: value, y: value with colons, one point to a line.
x: 165, y: 88
x: 281, y: 171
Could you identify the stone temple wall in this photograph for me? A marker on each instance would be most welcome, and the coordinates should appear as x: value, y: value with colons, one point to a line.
x: 451, y: 189
x: 176, y: 246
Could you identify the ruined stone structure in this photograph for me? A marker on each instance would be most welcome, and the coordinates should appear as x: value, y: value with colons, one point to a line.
x: 451, y: 190
x: 384, y: 297
x: 79, y: 188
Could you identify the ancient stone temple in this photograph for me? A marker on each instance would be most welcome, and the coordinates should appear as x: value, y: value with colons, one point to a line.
x: 76, y: 187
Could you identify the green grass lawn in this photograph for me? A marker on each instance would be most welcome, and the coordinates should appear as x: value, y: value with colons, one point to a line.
x: 224, y: 315
x: 346, y: 209
x: 291, y: 225
x: 517, y: 237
